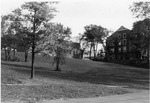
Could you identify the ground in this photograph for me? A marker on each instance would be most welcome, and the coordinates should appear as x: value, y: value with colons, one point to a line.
x: 78, y: 79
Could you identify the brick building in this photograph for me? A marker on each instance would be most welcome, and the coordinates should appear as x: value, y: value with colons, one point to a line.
x: 119, y: 45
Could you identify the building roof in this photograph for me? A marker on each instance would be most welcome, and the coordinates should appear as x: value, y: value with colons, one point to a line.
x: 122, y: 28
x: 76, y: 45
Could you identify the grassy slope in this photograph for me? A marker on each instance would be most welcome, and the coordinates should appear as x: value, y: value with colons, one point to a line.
x: 79, y: 78
x: 87, y: 71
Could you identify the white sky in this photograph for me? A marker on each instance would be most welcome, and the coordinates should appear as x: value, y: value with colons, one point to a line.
x: 76, y: 14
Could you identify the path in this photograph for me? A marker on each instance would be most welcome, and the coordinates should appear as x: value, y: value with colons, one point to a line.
x: 138, y: 97
x: 142, y: 97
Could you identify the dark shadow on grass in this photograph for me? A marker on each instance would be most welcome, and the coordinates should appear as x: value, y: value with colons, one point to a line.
x: 131, y: 78
x: 26, y: 66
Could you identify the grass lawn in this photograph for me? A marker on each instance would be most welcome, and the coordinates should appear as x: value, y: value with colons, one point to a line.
x: 78, y: 79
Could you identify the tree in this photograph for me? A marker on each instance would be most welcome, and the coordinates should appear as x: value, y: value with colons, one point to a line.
x: 9, y: 39
x: 141, y: 9
x: 56, y: 42
x: 89, y: 37
x: 141, y: 28
x: 25, y: 42
x: 36, y: 14
x: 100, y: 35
x: 4, y: 38
x: 94, y: 34
x: 141, y: 31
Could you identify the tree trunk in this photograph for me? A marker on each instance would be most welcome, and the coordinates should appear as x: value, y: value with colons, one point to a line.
x: 33, y: 47
x: 5, y: 54
x: 148, y: 52
x: 82, y: 52
x: 90, y: 50
x: 148, y: 55
x: 26, y: 56
x: 57, y: 65
x: 14, y: 53
x: 96, y: 47
x: 106, y: 53
x: 32, y: 64
x: 57, y: 60
x: 8, y: 53
x: 94, y: 51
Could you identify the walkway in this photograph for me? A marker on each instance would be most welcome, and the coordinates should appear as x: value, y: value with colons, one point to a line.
x: 142, y: 97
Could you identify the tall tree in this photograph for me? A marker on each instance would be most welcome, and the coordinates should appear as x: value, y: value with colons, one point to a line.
x: 141, y: 31
x: 9, y: 39
x: 36, y: 14
x: 89, y: 37
x: 4, y: 38
x: 94, y: 34
x: 142, y: 28
x: 100, y: 34
x: 15, y: 26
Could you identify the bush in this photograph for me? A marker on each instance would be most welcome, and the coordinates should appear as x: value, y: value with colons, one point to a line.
x: 139, y: 63
x: 77, y: 56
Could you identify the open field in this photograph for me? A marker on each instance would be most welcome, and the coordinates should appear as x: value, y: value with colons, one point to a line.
x: 78, y: 79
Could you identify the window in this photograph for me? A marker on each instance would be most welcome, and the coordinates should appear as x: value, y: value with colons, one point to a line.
x: 119, y: 57
x: 124, y: 35
x: 113, y: 56
x: 119, y: 37
x: 124, y: 42
x: 130, y: 48
x: 113, y: 43
x: 112, y: 50
x: 74, y: 52
x: 124, y: 49
x: 130, y: 42
x: 119, y: 49
x: 119, y: 42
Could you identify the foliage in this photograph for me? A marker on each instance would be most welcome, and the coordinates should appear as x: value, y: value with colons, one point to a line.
x: 9, y: 39
x: 28, y: 24
x: 56, y: 42
x: 36, y: 14
x: 94, y: 34
x: 141, y: 9
x: 141, y: 30
x: 8, y: 34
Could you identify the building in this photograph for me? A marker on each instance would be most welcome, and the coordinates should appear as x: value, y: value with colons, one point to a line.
x: 119, y: 45
x: 74, y: 51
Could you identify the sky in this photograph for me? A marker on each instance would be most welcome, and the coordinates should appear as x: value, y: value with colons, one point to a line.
x: 76, y: 14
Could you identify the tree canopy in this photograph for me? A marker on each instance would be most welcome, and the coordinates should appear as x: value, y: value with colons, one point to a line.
x: 141, y: 30
x: 56, y: 42
x: 28, y: 24
x: 94, y: 34
x: 141, y: 9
